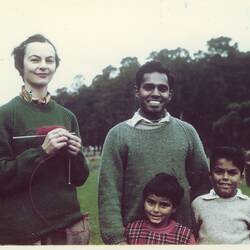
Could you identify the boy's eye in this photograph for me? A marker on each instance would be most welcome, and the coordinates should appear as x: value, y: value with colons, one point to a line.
x: 232, y: 172
x: 229, y: 172
x: 219, y: 171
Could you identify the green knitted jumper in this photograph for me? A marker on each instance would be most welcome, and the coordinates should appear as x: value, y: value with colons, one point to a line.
x: 131, y: 157
x: 55, y: 202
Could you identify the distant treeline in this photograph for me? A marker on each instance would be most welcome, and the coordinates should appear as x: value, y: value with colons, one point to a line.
x: 212, y: 92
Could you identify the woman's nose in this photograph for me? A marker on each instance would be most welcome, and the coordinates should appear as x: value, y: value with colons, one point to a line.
x: 42, y: 64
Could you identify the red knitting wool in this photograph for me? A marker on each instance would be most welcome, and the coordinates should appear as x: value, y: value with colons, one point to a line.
x: 46, y: 129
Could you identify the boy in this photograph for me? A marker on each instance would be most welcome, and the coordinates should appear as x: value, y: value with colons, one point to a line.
x: 161, y: 197
x: 223, y: 215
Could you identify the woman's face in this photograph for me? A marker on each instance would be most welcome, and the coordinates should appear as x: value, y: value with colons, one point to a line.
x: 39, y: 64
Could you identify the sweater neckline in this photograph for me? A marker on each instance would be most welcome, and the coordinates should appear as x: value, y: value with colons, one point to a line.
x: 149, y: 131
x: 36, y: 106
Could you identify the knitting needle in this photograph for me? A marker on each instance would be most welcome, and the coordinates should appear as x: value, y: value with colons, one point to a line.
x: 33, y: 136
x: 39, y: 136
x: 69, y: 181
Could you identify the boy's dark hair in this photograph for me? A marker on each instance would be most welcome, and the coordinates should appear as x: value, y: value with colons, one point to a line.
x: 164, y: 185
x: 150, y: 67
x: 234, y: 154
x: 19, y: 51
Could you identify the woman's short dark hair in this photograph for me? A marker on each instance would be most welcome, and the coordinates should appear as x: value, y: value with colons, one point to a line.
x: 150, y: 67
x: 164, y: 185
x: 19, y: 51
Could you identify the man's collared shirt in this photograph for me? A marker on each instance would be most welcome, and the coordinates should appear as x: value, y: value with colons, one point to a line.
x: 138, y: 121
x: 212, y: 195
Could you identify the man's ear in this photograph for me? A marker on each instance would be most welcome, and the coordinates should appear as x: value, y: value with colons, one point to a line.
x: 136, y: 89
x: 171, y: 93
x: 210, y: 177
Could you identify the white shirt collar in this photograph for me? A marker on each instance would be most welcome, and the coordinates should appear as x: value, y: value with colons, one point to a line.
x: 212, y: 195
x: 137, y: 118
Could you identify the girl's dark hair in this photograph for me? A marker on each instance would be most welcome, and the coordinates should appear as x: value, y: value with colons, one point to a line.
x: 234, y: 154
x: 19, y: 51
x: 164, y: 185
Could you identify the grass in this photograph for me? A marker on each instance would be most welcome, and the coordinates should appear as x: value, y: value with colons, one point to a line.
x: 245, y: 189
x: 88, y: 193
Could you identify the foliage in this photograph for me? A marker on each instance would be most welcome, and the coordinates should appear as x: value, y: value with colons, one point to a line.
x: 206, y: 84
x: 236, y: 123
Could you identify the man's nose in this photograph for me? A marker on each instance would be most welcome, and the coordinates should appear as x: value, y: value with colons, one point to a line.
x: 156, y: 92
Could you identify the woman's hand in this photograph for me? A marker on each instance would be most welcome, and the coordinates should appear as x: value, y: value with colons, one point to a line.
x: 55, y: 140
x: 74, y: 144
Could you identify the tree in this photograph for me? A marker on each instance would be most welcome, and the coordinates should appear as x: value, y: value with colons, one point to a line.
x: 206, y: 86
x: 221, y: 46
x: 233, y: 127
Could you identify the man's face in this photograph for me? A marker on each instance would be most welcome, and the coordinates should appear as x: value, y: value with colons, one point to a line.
x: 153, y: 95
x: 226, y: 178
x: 158, y: 209
x: 39, y: 64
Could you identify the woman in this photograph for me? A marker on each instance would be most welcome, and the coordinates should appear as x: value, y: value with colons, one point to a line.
x: 41, y: 160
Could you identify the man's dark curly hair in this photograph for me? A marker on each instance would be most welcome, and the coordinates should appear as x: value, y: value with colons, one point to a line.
x: 150, y: 67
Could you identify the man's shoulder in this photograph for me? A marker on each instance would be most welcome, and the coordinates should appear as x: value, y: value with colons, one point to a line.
x: 184, y: 127
x: 182, y: 123
x: 121, y: 126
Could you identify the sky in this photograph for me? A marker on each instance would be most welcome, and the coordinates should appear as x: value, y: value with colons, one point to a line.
x: 91, y: 34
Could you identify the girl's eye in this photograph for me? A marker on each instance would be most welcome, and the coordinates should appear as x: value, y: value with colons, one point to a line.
x: 165, y: 205
x: 150, y: 202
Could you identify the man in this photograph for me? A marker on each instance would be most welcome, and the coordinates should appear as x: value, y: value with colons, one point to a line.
x: 134, y: 151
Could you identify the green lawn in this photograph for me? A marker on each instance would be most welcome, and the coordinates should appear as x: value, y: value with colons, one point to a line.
x: 245, y: 189
x: 87, y: 195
